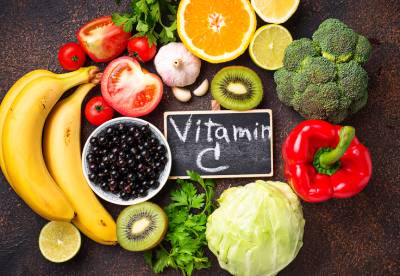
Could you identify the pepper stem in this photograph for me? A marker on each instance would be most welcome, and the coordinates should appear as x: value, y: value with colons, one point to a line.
x: 326, y: 160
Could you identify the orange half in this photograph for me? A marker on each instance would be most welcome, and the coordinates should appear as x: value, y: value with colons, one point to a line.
x: 216, y: 30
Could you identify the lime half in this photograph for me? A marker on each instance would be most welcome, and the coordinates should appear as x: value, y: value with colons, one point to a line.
x: 268, y: 46
x: 59, y: 241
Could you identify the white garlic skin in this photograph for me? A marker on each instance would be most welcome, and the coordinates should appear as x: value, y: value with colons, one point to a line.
x: 181, y: 94
x: 176, y: 65
x: 202, y: 89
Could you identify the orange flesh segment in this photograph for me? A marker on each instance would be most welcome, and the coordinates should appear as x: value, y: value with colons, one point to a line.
x: 233, y: 22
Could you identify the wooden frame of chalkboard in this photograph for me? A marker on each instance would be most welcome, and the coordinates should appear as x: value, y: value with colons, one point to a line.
x: 269, y: 111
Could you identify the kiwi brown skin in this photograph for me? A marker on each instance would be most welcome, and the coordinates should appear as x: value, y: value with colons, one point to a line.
x: 134, y: 213
x: 251, y: 88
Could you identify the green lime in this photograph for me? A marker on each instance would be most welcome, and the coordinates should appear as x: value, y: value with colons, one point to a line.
x: 59, y: 241
x: 268, y: 46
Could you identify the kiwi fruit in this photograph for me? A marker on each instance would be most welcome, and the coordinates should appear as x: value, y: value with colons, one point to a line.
x: 237, y: 88
x: 141, y: 227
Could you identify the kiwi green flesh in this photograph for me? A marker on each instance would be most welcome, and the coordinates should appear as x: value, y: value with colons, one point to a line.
x: 141, y: 227
x: 237, y: 88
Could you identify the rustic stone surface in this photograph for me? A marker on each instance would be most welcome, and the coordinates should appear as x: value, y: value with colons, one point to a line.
x: 358, y: 236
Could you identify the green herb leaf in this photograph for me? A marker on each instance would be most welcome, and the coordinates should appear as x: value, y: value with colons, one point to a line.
x: 185, y: 238
x: 146, y: 17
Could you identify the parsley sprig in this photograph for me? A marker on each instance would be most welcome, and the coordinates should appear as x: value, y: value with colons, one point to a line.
x: 148, y: 18
x: 187, y: 213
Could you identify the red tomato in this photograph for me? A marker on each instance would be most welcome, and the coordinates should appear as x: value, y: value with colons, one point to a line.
x: 139, y: 48
x: 129, y: 89
x: 71, y: 56
x: 102, y: 40
x: 97, y: 111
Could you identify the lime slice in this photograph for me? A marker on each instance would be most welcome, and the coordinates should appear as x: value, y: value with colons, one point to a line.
x: 275, y: 11
x: 59, y: 241
x: 267, y: 48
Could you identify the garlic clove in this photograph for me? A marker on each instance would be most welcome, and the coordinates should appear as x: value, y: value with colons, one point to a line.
x: 202, y: 89
x: 182, y: 95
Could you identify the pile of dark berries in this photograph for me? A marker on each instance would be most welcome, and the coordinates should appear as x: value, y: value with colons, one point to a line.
x: 126, y: 159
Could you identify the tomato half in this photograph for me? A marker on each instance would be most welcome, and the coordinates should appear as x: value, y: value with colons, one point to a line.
x: 129, y: 89
x: 102, y: 40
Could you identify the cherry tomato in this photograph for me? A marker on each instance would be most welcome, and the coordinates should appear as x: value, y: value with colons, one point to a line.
x: 97, y: 111
x: 129, y: 89
x: 102, y: 40
x: 138, y: 47
x: 71, y: 56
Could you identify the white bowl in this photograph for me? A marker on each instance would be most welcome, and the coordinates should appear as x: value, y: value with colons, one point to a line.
x: 113, y: 198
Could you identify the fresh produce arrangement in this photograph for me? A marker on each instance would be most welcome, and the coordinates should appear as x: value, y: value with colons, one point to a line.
x: 256, y: 229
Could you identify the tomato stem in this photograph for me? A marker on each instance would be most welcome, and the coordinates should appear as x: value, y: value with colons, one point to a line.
x: 99, y: 108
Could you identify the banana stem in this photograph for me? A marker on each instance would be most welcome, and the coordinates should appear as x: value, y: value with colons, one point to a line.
x: 80, y: 76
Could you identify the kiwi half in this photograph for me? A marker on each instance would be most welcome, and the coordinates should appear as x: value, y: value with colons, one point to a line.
x: 237, y: 88
x: 141, y: 227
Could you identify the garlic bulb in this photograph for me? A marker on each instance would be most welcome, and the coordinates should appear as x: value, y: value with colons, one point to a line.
x: 176, y: 65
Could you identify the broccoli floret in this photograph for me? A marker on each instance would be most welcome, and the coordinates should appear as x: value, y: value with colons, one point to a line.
x: 358, y: 104
x: 318, y: 101
x: 323, y: 78
x: 297, y: 51
x: 318, y: 70
x: 300, y: 82
x: 336, y: 40
x: 363, y: 50
x: 283, y: 79
x: 352, y: 80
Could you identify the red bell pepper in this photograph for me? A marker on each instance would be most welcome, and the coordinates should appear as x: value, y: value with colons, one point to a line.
x: 324, y: 161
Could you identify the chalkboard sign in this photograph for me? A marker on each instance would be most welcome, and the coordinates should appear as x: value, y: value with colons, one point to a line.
x: 220, y: 144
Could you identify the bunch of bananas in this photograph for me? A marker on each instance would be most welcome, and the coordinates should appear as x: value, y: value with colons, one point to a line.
x: 49, y: 178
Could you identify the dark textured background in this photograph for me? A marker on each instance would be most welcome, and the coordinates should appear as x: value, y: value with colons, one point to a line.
x: 358, y: 236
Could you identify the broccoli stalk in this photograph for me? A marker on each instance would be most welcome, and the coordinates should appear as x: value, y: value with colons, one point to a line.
x: 322, y: 78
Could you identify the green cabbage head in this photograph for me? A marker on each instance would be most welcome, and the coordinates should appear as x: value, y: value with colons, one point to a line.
x: 257, y: 229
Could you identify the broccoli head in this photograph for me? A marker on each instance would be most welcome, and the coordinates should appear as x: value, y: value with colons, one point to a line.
x: 322, y: 78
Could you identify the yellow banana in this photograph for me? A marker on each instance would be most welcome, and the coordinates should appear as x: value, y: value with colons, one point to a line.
x: 9, y: 99
x: 12, y: 94
x: 62, y: 153
x: 22, y: 143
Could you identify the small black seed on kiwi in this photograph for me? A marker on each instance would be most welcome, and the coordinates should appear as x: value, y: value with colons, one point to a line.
x: 141, y: 227
x: 237, y: 88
